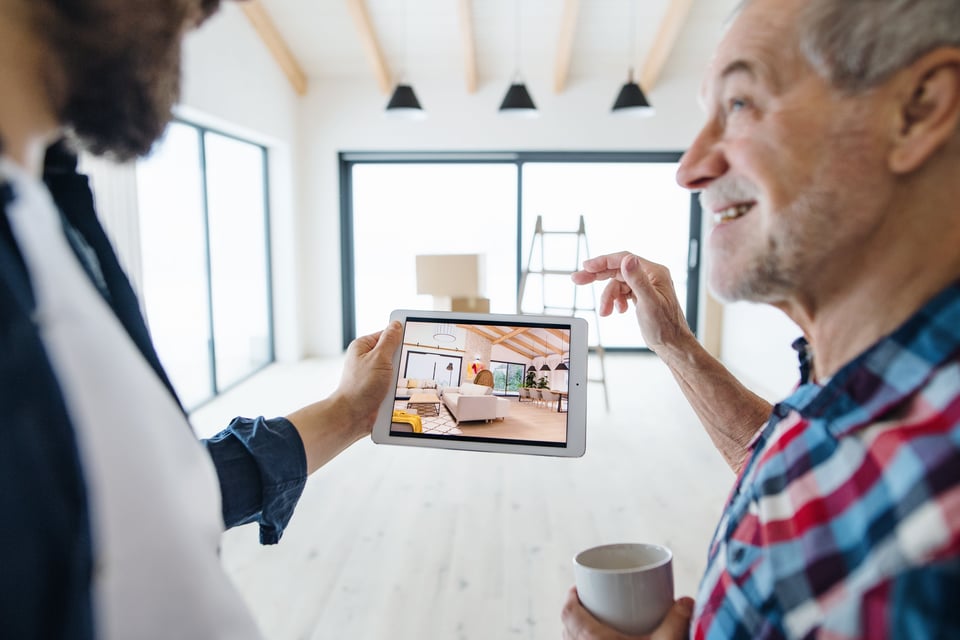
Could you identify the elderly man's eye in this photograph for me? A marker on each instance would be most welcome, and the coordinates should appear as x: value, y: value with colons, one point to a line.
x: 737, y: 104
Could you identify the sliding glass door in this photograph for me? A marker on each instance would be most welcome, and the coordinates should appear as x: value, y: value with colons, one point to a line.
x: 398, y: 206
x: 625, y: 206
x: 507, y: 377
x: 204, y: 241
x: 404, y: 210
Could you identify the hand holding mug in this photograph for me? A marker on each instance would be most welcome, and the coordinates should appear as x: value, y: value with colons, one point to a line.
x: 625, y: 590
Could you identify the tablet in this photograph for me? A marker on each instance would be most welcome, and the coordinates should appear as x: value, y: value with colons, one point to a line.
x: 488, y: 382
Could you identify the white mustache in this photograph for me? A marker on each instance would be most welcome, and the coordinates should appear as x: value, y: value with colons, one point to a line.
x: 725, y: 191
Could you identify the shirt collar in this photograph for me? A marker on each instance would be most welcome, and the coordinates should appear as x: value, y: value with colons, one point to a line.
x: 886, y: 373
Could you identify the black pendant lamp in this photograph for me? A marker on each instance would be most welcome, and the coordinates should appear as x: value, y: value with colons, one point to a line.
x: 631, y: 100
x: 517, y: 102
x: 403, y: 103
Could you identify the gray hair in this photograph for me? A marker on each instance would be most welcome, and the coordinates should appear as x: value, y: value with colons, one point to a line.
x: 857, y: 44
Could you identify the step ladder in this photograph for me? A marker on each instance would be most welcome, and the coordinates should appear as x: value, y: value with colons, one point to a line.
x: 534, y: 268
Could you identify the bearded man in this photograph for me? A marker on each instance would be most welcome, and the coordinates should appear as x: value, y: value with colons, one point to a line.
x: 830, y: 160
x: 113, y: 511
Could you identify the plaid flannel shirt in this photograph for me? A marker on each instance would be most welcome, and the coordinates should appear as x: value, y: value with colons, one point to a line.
x: 845, y: 521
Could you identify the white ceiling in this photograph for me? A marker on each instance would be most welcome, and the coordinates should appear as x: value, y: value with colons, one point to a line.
x: 424, y: 36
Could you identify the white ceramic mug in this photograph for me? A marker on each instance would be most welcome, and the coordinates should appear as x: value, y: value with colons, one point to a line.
x: 626, y: 586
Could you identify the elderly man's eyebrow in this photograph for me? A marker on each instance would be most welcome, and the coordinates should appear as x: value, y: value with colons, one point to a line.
x: 739, y: 66
x: 756, y: 70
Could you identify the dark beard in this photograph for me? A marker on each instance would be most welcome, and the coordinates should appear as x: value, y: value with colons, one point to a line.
x: 120, y: 69
x: 120, y: 110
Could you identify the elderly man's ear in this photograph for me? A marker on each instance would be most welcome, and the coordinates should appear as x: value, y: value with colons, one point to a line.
x: 928, y: 94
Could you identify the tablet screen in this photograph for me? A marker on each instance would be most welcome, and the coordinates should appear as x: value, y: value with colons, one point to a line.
x: 476, y: 380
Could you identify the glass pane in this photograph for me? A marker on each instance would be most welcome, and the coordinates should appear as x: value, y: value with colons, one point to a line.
x: 444, y: 370
x: 636, y: 207
x: 507, y: 377
x: 514, y: 378
x: 404, y: 210
x: 170, y: 200
x: 499, y: 370
x: 238, y: 257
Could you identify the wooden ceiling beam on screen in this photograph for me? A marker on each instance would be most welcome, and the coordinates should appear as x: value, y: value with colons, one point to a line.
x: 568, y: 27
x: 370, y: 44
x: 505, y: 338
x: 267, y: 30
x: 467, y: 32
x: 511, y: 334
x: 542, y: 342
x: 564, y: 336
x: 518, y: 350
x: 478, y: 330
x: 673, y: 20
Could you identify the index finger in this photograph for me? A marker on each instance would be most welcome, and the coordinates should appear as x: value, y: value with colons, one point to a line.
x: 600, y: 268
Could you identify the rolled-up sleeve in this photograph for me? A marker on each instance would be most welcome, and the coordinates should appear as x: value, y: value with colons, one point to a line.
x: 262, y: 469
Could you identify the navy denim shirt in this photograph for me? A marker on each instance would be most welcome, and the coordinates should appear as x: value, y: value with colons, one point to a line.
x: 45, y: 540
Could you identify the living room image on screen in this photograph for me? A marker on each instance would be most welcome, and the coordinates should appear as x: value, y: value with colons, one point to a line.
x: 475, y: 381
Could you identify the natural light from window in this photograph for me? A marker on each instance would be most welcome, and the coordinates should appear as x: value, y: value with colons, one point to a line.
x: 403, y: 210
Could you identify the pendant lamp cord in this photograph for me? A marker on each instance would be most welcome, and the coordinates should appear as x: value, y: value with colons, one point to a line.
x: 406, y: 36
x: 634, y: 54
x: 516, y: 39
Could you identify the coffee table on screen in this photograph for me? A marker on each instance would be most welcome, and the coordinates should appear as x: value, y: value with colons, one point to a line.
x: 425, y: 404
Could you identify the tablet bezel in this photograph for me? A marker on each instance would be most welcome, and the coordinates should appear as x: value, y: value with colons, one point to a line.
x: 576, y: 400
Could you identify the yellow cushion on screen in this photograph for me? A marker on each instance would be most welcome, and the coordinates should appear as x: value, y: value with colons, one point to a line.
x: 412, y: 419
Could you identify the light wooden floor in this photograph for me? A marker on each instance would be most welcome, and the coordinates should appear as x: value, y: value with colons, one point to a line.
x: 525, y: 421
x: 402, y: 543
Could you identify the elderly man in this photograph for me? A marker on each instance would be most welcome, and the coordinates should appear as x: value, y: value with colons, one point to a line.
x: 112, y: 510
x: 830, y: 161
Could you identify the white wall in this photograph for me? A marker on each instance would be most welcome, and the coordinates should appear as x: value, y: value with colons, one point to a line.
x: 233, y: 84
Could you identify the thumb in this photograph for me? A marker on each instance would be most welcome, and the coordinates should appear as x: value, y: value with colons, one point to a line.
x: 634, y: 274
x: 388, y: 339
x: 391, y: 336
x: 677, y: 623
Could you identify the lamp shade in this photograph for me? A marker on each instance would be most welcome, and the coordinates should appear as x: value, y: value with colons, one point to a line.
x: 445, y: 333
x: 561, y: 367
x: 545, y: 367
x: 404, y: 103
x: 631, y: 101
x: 518, y: 102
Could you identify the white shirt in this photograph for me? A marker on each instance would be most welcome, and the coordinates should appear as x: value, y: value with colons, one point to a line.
x: 152, y: 488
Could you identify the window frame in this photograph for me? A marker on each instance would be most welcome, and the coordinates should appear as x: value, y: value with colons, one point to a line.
x: 201, y: 132
x: 348, y: 159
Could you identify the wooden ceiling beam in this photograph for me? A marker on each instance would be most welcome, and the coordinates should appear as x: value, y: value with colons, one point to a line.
x: 562, y: 334
x: 467, y: 32
x: 673, y: 20
x: 371, y: 46
x: 568, y: 27
x: 511, y: 334
x: 264, y: 26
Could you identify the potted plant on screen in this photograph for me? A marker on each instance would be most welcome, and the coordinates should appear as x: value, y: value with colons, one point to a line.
x: 531, y: 380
